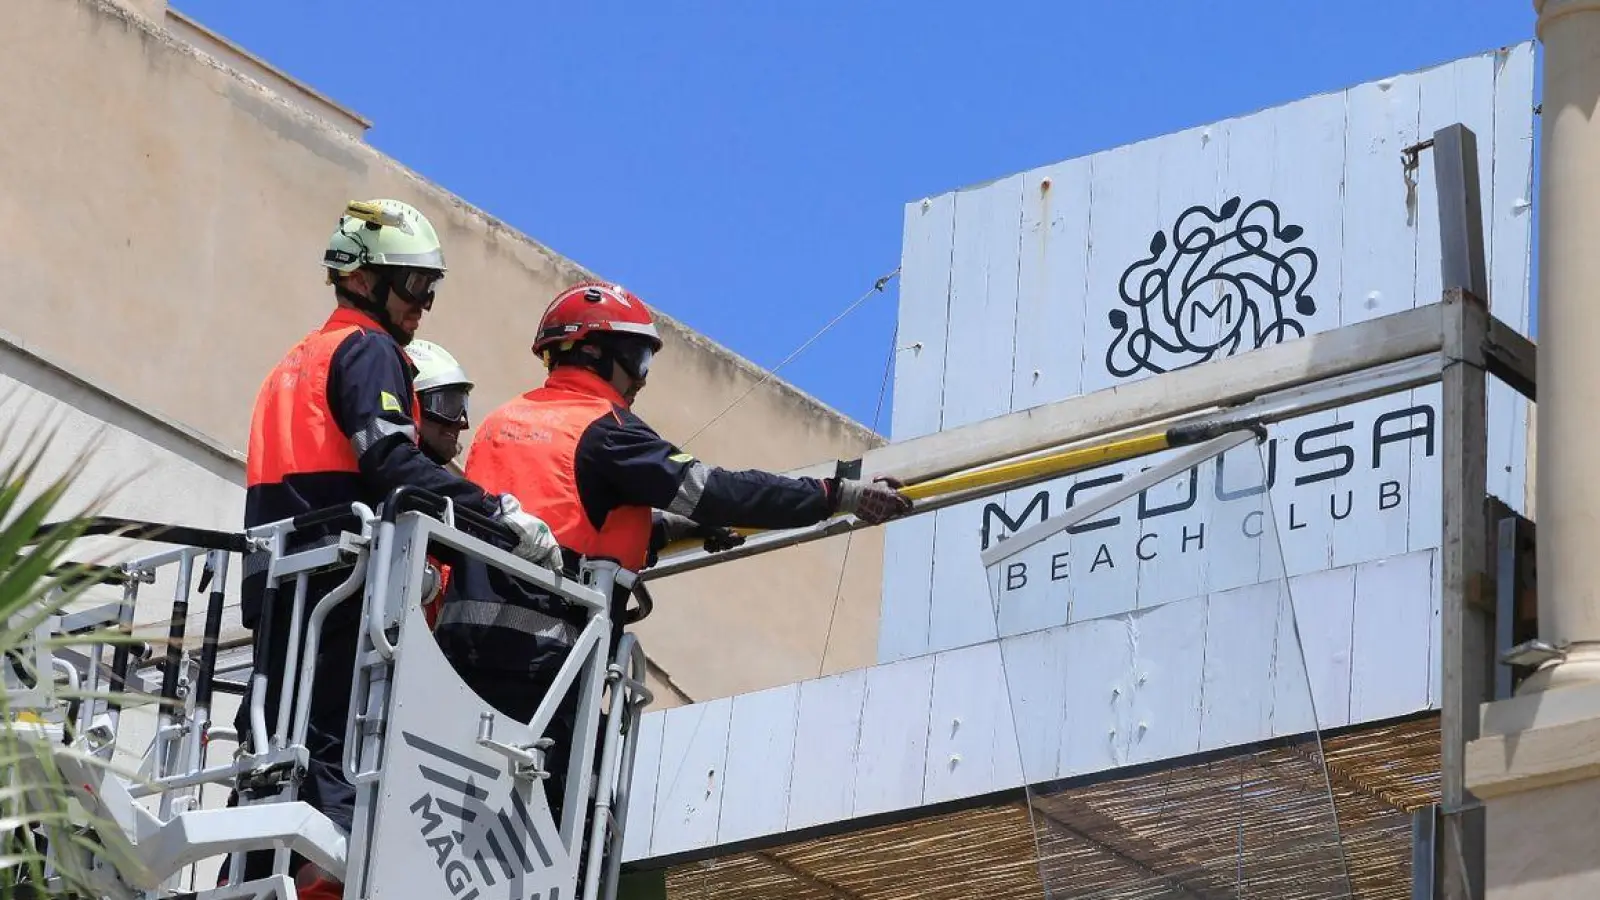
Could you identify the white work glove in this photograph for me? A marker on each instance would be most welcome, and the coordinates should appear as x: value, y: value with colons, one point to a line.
x: 535, y: 542
x: 872, y: 502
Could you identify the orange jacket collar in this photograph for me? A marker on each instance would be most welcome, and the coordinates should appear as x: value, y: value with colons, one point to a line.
x: 579, y: 380
x: 344, y: 315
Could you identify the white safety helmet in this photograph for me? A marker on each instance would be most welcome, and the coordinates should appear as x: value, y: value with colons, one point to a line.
x: 441, y: 384
x: 436, y: 368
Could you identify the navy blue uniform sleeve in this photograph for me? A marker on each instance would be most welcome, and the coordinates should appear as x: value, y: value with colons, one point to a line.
x: 369, y: 392
x: 621, y: 461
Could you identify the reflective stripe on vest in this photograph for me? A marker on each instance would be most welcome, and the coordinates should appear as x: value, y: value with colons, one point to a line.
x: 528, y: 448
x: 292, y: 430
x: 494, y: 614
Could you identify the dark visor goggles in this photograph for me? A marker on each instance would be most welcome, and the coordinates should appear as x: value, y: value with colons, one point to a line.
x: 446, y: 405
x: 635, y: 358
x: 415, y: 286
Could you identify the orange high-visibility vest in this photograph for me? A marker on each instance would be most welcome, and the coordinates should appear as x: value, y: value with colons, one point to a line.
x: 293, y: 431
x: 528, y: 448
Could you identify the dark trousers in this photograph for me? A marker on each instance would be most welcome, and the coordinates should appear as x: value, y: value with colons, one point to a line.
x: 324, y: 786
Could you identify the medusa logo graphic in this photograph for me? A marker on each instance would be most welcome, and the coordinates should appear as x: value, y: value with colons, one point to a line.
x: 1223, y: 280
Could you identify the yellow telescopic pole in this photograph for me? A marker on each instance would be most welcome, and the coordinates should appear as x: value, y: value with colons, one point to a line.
x: 1049, y: 465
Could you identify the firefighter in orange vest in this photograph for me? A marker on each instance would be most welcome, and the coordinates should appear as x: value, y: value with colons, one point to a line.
x: 442, y: 391
x: 335, y: 423
x: 596, y: 473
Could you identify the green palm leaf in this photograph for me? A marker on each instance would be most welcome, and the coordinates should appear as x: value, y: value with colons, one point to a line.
x: 36, y: 581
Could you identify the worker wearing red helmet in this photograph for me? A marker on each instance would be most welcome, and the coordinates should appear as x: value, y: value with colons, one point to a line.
x: 609, y: 487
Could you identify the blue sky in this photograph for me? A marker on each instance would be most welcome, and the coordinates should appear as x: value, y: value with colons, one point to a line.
x: 744, y: 166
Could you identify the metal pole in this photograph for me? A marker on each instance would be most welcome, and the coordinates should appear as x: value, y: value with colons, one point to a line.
x: 1424, y: 824
x: 168, y: 742
x: 215, y: 607
x: 1269, y: 407
x: 1467, y: 602
x: 120, y: 662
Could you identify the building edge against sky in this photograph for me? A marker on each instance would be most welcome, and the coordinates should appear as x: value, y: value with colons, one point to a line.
x: 204, y: 182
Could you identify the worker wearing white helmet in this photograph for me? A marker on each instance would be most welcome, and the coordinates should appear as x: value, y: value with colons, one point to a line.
x: 442, y: 389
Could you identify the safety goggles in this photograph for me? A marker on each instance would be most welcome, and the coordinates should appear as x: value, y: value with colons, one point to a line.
x: 415, y: 286
x: 635, y: 358
x: 445, y: 405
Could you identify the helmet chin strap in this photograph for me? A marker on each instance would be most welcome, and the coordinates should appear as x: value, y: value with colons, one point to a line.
x: 607, y: 364
x: 376, y: 305
x: 604, y: 363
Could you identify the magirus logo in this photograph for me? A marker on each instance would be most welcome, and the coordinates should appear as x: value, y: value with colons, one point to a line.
x: 481, y: 852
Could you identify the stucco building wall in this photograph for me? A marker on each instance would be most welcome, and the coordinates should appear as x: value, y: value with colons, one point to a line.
x: 163, y: 215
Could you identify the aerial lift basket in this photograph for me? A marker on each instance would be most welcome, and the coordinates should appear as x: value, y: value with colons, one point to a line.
x: 450, y: 796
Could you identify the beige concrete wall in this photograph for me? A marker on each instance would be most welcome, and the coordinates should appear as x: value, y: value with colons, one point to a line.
x: 1544, y: 844
x: 164, y: 215
x: 123, y: 462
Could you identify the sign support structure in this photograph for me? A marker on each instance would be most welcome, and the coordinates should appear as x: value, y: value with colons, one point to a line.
x: 1468, y: 595
x: 1453, y: 340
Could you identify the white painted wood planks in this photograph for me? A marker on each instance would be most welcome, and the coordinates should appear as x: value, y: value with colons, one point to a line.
x: 1328, y: 229
x: 1094, y: 273
x: 1136, y: 685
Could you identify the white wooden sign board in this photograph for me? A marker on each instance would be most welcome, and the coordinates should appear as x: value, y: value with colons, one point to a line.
x: 1098, y: 271
x: 1010, y: 292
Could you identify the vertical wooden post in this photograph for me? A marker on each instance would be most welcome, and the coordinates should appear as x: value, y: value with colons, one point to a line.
x: 1455, y: 176
x: 1515, y: 620
x: 1467, y: 602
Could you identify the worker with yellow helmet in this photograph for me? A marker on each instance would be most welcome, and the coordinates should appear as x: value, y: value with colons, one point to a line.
x: 336, y: 423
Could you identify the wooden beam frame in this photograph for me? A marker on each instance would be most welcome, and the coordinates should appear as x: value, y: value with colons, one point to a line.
x: 1467, y: 605
x: 1461, y: 325
x: 1467, y: 601
x: 1511, y: 358
x: 1209, y: 387
x: 1319, y: 372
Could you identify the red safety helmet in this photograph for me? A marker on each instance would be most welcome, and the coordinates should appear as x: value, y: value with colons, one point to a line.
x: 583, y: 310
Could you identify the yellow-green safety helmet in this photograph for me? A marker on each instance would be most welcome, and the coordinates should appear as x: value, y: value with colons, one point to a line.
x: 383, y: 233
